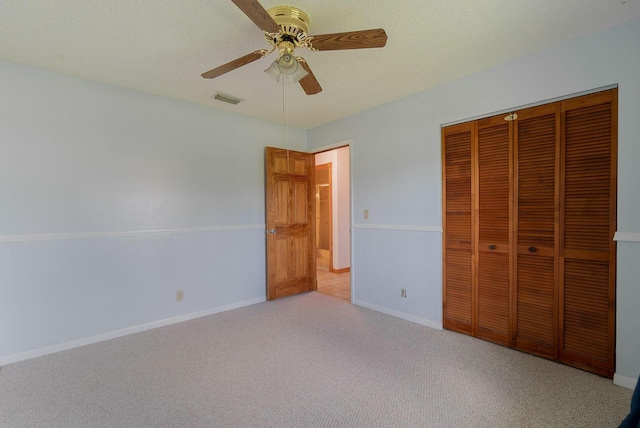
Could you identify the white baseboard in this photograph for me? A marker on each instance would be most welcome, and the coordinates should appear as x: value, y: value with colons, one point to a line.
x: 40, y: 352
x: 398, y: 314
x: 627, y: 382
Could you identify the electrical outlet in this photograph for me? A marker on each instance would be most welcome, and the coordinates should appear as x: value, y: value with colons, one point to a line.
x: 179, y: 296
x: 366, y: 214
x: 403, y: 292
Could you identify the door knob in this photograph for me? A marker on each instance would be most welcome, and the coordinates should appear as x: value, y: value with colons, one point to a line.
x: 532, y: 249
x: 493, y: 246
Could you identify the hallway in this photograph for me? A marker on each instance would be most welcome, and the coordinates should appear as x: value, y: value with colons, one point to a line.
x: 334, y: 284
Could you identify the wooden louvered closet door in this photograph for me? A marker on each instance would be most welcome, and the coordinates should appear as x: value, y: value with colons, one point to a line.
x: 529, y: 214
x: 493, y: 242
x: 587, y: 249
x: 537, y: 150
x: 457, y: 239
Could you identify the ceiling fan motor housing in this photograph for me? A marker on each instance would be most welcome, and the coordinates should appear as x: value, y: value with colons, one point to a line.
x: 293, y: 24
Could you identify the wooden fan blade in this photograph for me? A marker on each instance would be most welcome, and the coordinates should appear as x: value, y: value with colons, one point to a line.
x: 376, y: 38
x: 309, y: 82
x: 236, y: 63
x: 257, y: 14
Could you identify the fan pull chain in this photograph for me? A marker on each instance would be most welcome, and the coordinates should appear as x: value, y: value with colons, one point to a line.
x: 285, y: 111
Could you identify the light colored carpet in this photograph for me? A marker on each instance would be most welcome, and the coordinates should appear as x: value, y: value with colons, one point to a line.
x: 304, y: 361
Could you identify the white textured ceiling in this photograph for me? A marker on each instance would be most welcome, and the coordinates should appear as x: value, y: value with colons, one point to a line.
x: 162, y: 46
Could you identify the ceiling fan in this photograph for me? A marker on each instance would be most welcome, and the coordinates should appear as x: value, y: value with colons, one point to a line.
x: 287, y: 28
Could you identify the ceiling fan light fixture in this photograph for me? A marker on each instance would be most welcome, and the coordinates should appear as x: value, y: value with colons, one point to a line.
x: 288, y: 65
x: 299, y: 74
x: 274, y: 71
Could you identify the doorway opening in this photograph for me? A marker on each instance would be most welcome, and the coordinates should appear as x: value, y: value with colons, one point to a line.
x: 333, y: 222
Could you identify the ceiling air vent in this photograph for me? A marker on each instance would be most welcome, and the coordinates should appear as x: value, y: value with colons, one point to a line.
x: 227, y: 98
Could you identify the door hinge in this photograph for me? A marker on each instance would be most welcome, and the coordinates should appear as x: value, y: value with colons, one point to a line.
x: 510, y: 117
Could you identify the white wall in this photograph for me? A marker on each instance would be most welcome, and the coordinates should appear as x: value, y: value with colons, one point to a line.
x: 112, y: 200
x: 396, y: 174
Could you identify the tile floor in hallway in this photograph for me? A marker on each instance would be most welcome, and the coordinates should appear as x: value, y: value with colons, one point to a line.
x: 334, y: 284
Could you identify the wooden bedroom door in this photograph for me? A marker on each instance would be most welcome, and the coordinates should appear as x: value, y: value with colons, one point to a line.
x: 290, y: 203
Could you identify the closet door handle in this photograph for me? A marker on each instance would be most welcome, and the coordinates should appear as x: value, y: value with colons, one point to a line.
x: 493, y: 246
x: 532, y: 249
